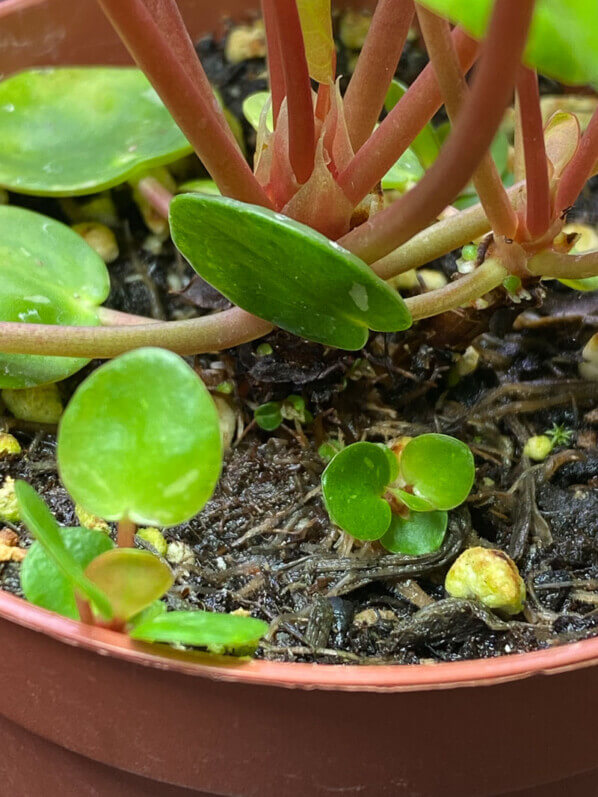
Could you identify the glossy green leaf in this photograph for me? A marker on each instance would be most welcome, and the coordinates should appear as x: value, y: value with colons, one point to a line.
x: 41, y: 523
x: 419, y: 534
x: 415, y: 502
x: 219, y: 633
x: 353, y: 484
x: 440, y: 469
x: 316, y: 26
x: 131, y: 579
x: 79, y: 130
x: 268, y: 416
x: 49, y: 275
x: 563, y: 39
x: 253, y: 107
x: 425, y: 145
x: 45, y: 584
x: 404, y: 174
x: 284, y: 271
x: 199, y: 187
x: 155, y: 609
x: 140, y: 440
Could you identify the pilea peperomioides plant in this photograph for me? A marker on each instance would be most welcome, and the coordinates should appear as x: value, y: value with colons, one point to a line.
x: 306, y: 241
x: 136, y: 452
x: 399, y: 496
x: 290, y: 244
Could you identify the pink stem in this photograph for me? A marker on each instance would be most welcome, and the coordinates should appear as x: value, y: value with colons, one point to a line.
x: 275, y: 68
x: 84, y: 609
x: 487, y: 182
x: 298, y: 90
x: 536, y: 168
x: 375, y: 67
x: 156, y: 194
x: 470, y: 138
x: 125, y: 534
x: 580, y: 167
x: 413, y: 111
x: 169, y: 60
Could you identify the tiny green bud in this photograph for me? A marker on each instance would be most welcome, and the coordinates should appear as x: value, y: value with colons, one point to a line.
x: 489, y: 576
x: 293, y: 409
x: 155, y: 538
x: 89, y: 520
x: 511, y: 283
x: 226, y: 388
x: 469, y: 252
x: 538, y: 447
x: 35, y: 404
x: 8, y: 445
x: 263, y: 350
x: 268, y: 416
x: 9, y: 506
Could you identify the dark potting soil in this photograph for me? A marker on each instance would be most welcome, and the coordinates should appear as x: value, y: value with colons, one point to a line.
x: 264, y: 543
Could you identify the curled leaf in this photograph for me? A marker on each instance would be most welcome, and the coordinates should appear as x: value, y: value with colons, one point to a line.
x: 561, y: 137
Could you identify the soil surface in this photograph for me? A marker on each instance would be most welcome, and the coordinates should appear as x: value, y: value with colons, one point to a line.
x: 264, y: 542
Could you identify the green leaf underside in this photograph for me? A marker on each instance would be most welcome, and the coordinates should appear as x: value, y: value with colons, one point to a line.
x: 41, y: 523
x: 253, y: 107
x: 45, y: 584
x: 219, y: 633
x: 49, y: 275
x: 284, y: 272
x: 563, y: 40
x: 440, y: 469
x: 419, y: 534
x: 200, y: 187
x: 140, y: 439
x: 353, y: 484
x: 79, y: 130
x: 133, y: 580
x: 425, y: 146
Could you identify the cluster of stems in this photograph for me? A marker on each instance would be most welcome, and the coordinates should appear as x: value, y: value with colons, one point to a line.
x: 406, y: 234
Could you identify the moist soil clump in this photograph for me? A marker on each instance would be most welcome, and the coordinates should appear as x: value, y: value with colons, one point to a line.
x: 264, y: 543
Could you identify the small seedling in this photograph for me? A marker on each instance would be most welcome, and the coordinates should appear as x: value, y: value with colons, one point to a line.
x: 435, y: 472
x: 78, y: 573
x: 269, y: 416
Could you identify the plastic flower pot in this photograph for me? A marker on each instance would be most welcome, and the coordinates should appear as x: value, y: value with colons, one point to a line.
x: 85, y: 711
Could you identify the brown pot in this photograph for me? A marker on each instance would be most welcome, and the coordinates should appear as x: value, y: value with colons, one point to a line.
x: 85, y: 711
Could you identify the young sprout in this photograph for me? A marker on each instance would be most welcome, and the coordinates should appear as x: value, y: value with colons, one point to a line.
x: 139, y: 442
x: 489, y: 576
x: 538, y: 447
x: 435, y: 472
x: 270, y: 415
x: 80, y: 574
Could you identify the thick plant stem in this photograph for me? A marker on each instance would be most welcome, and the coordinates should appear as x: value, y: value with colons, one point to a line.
x: 375, y: 68
x: 442, y: 237
x: 165, y: 52
x: 462, y: 291
x: 302, y: 145
x: 84, y: 609
x: 195, y: 336
x: 156, y: 194
x: 125, y: 534
x: 580, y: 168
x: 561, y: 266
x: 109, y: 317
x: 453, y: 87
x: 471, y: 137
x: 536, y: 168
x: 413, y: 111
x: 275, y: 69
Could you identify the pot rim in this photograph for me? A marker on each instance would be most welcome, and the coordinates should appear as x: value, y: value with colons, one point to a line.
x: 340, y: 677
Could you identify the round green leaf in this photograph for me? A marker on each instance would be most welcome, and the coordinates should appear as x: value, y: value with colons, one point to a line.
x: 439, y: 468
x: 140, y: 440
x: 219, y: 633
x: 41, y: 523
x: 268, y: 416
x: 45, y: 584
x: 404, y: 174
x: 353, y: 484
x: 49, y: 275
x: 79, y: 130
x: 419, y: 534
x: 131, y: 579
x: 253, y: 106
x: 284, y: 271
